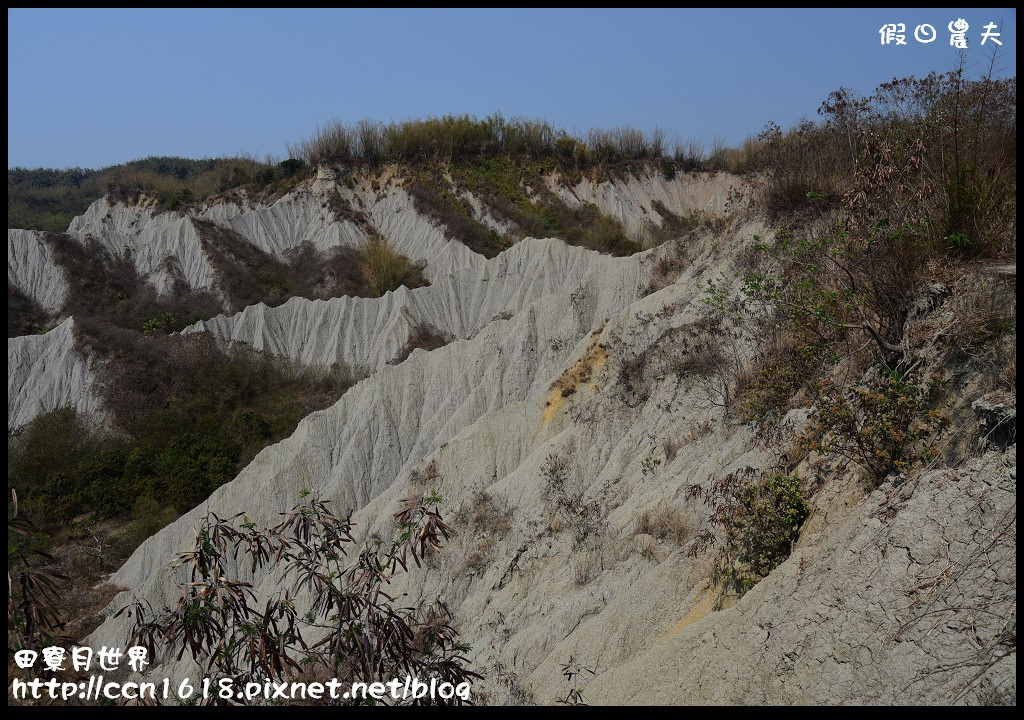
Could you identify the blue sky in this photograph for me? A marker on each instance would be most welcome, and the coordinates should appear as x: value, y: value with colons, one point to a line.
x: 91, y: 88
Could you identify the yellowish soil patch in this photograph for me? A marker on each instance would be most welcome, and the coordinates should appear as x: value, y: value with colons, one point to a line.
x: 712, y: 600
x: 574, y: 378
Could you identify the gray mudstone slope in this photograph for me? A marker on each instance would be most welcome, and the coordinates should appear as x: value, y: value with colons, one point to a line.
x: 869, y: 608
x: 906, y: 594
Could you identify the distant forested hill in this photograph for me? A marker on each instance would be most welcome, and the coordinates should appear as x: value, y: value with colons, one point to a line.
x: 47, y: 199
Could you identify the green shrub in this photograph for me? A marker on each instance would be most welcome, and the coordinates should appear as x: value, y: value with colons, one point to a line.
x: 161, y: 323
x: 765, y: 537
x: 783, y: 365
x: 192, y: 466
x: 883, y: 425
x: 840, y: 292
x: 758, y: 517
x: 148, y: 516
x: 54, y: 442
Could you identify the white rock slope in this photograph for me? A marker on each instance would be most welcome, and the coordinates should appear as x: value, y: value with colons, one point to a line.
x: 32, y: 270
x: 46, y: 372
x: 368, y: 332
x: 632, y: 200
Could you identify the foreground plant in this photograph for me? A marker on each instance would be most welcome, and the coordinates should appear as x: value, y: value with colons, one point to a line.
x: 352, y: 629
x: 33, y: 584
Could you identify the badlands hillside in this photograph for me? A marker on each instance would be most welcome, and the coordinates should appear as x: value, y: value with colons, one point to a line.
x: 740, y: 433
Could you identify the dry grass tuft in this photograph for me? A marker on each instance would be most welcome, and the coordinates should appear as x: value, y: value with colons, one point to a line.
x: 426, y: 476
x: 386, y: 270
x: 665, y: 523
x: 487, y: 521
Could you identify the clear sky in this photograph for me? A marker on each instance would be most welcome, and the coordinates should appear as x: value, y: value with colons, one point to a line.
x: 91, y: 88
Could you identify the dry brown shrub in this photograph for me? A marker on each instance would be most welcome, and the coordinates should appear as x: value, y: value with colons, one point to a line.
x: 665, y: 523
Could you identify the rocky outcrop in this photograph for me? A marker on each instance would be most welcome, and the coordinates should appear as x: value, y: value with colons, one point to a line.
x: 46, y: 372
x: 32, y: 270
x: 165, y: 247
x: 369, y: 332
x: 390, y: 421
x: 633, y: 200
x: 310, y: 215
x: 997, y: 415
x: 489, y: 410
